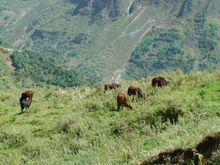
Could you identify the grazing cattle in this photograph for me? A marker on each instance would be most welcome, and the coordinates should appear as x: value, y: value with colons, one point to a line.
x: 159, y: 81
x: 135, y: 91
x: 122, y: 101
x: 111, y: 86
x: 26, y: 99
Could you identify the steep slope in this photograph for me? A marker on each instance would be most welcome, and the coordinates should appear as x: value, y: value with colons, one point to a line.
x: 99, y: 38
x: 191, y: 42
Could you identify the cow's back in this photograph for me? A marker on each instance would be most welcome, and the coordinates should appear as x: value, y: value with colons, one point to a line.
x: 131, y: 90
x: 27, y: 94
x: 121, y: 98
x: 159, y: 81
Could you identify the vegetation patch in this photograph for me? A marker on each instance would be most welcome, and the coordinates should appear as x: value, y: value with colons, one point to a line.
x: 171, y: 114
x: 65, y: 123
x: 177, y: 156
x: 42, y: 70
x: 13, y: 139
x: 203, y: 152
x: 209, y: 145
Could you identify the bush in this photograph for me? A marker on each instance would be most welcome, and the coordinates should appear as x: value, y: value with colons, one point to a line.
x: 65, y: 123
x: 171, y: 113
x: 13, y: 139
x: 35, y: 150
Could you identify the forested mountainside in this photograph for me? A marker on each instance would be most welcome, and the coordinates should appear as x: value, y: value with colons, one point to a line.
x: 111, y: 40
x: 28, y: 68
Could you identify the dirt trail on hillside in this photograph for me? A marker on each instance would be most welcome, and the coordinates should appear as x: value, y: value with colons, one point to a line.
x: 6, y: 50
x: 117, y: 75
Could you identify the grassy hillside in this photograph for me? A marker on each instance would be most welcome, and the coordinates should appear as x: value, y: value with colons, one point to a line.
x: 6, y: 68
x: 102, y: 39
x: 82, y: 125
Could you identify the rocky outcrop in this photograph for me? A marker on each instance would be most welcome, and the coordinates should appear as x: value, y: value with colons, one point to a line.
x: 185, y: 8
x: 102, y: 9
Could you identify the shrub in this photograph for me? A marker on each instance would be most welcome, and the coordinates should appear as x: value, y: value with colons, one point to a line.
x: 13, y: 139
x: 65, y: 123
x: 35, y: 150
x: 171, y: 113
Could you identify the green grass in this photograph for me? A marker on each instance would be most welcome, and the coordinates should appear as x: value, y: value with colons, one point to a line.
x: 62, y: 128
x: 6, y: 70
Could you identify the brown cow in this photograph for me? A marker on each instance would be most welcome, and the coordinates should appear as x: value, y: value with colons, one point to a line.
x: 135, y: 91
x: 111, y: 86
x: 159, y: 81
x: 26, y: 99
x: 122, y: 101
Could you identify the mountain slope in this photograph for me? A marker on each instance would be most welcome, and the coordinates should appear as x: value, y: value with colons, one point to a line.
x: 191, y: 46
x: 100, y: 38
x: 28, y: 68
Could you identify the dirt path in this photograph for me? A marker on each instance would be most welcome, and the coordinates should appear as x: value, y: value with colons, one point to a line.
x: 22, y: 16
x: 6, y: 50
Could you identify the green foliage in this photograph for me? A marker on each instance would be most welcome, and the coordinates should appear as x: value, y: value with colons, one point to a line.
x: 81, y: 38
x: 13, y: 139
x: 167, y: 49
x: 4, y: 44
x: 43, y: 70
x: 159, y: 51
x: 207, y: 34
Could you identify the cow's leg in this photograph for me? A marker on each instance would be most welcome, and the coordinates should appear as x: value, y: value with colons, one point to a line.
x: 132, y: 97
x: 29, y: 104
x: 136, y: 95
x: 22, y: 107
x: 119, y: 106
